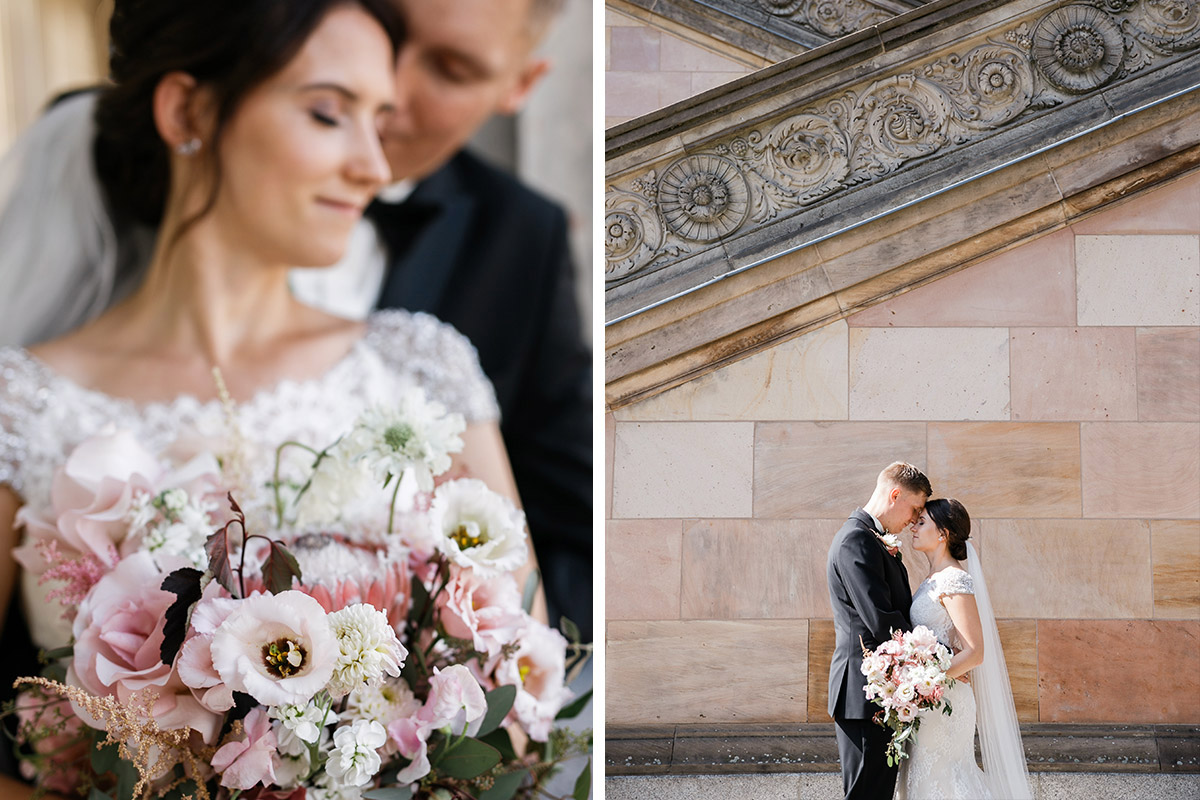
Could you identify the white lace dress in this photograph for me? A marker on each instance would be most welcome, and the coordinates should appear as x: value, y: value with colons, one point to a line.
x: 941, y: 763
x: 44, y: 415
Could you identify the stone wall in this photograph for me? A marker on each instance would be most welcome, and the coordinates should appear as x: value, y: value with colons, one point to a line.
x: 650, y: 63
x: 1054, y: 389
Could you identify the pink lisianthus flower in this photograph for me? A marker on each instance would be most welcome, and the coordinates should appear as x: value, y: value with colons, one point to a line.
x: 247, y: 762
x: 455, y: 702
x: 118, y: 635
x: 537, y: 669
x: 195, y: 662
x: 483, y: 610
x: 277, y: 648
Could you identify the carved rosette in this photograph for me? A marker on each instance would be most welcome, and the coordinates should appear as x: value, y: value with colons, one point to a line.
x: 632, y: 234
x: 1170, y: 26
x: 898, y: 119
x: 830, y: 18
x: 703, y: 197
x: 1078, y: 48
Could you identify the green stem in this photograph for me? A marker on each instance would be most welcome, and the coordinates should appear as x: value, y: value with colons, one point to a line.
x: 392, y: 507
x: 278, y: 461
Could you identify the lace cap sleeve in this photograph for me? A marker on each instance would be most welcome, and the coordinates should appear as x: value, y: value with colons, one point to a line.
x: 437, y: 358
x: 17, y: 392
x: 954, y: 581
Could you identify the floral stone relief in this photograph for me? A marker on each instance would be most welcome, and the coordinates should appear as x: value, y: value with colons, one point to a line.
x: 750, y: 177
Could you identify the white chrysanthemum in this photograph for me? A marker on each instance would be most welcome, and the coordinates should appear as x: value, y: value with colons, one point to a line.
x: 477, y: 528
x: 383, y: 703
x: 415, y: 434
x: 354, y: 759
x: 300, y: 726
x: 333, y: 487
x: 367, y: 648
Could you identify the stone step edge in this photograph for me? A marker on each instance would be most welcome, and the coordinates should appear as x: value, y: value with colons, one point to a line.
x: 733, y: 749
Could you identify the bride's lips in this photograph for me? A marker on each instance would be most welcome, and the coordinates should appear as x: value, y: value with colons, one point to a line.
x: 347, y: 207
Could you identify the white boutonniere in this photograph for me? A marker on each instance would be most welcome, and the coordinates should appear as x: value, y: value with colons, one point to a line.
x: 891, y: 541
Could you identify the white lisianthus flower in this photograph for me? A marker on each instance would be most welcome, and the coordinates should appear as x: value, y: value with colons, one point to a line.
x: 367, y: 648
x: 300, y: 726
x: 475, y: 527
x: 354, y: 760
x: 906, y: 693
x: 277, y: 648
x: 415, y: 434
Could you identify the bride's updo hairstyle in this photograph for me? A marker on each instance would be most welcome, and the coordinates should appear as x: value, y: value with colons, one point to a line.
x: 227, y: 46
x: 951, y: 518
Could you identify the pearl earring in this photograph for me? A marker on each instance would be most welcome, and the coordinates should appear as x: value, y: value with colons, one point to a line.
x: 188, y: 148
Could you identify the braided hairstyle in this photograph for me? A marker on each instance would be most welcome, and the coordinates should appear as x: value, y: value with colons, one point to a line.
x: 228, y: 46
x: 951, y: 517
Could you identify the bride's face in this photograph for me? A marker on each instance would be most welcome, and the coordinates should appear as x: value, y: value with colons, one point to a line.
x: 925, y: 534
x: 301, y: 157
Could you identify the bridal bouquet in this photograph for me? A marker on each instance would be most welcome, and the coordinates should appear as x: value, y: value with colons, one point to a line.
x: 906, y: 675
x: 340, y: 638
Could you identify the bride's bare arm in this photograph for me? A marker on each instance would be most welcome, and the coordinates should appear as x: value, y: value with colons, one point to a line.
x: 9, y: 503
x: 483, y: 456
x: 965, y: 616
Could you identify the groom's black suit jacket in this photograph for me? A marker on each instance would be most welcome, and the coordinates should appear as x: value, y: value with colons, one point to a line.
x: 868, y: 588
x: 478, y: 249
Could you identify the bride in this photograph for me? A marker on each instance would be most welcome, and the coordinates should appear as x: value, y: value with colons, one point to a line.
x: 247, y: 133
x: 954, y: 604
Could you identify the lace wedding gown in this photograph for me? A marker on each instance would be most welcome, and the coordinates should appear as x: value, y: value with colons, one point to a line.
x: 941, y: 763
x: 44, y: 415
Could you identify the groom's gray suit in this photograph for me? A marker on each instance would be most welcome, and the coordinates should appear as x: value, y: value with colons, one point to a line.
x: 869, y: 592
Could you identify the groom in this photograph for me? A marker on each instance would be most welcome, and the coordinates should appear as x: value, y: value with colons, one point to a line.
x: 869, y: 592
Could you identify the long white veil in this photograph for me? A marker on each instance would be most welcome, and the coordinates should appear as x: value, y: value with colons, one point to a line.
x: 59, y: 253
x: 1004, y: 764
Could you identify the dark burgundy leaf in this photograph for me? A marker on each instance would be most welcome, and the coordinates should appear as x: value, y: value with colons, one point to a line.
x: 280, y: 568
x: 184, y: 583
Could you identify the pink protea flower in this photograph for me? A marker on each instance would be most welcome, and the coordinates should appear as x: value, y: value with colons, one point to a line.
x: 277, y: 648
x: 247, y: 762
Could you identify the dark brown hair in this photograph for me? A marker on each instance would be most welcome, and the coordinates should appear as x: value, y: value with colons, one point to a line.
x: 951, y: 517
x: 228, y: 46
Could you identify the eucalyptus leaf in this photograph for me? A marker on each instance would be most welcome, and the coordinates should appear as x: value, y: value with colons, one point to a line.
x: 505, y: 786
x: 531, y: 584
x: 389, y: 793
x: 583, y: 784
x: 499, y: 703
x: 470, y: 758
x: 575, y: 706
x: 501, y: 740
x: 569, y: 629
x: 104, y: 759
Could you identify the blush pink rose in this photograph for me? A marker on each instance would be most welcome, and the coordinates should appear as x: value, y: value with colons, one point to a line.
x: 485, y: 611
x: 247, y: 762
x: 118, y: 634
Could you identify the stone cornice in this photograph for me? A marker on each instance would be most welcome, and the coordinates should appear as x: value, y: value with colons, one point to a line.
x: 803, y: 747
x: 826, y: 154
x: 775, y: 28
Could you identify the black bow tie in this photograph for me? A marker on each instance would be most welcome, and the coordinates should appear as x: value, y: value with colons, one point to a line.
x: 399, y: 224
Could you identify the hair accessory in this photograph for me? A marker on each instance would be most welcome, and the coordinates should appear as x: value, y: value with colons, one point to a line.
x: 188, y: 148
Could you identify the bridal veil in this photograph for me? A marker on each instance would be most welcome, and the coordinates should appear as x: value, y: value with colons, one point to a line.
x: 60, y: 257
x: 1004, y: 766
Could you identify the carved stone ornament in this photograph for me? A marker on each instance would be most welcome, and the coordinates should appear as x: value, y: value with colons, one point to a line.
x: 830, y: 18
x: 703, y: 197
x: 859, y: 135
x: 1078, y: 48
